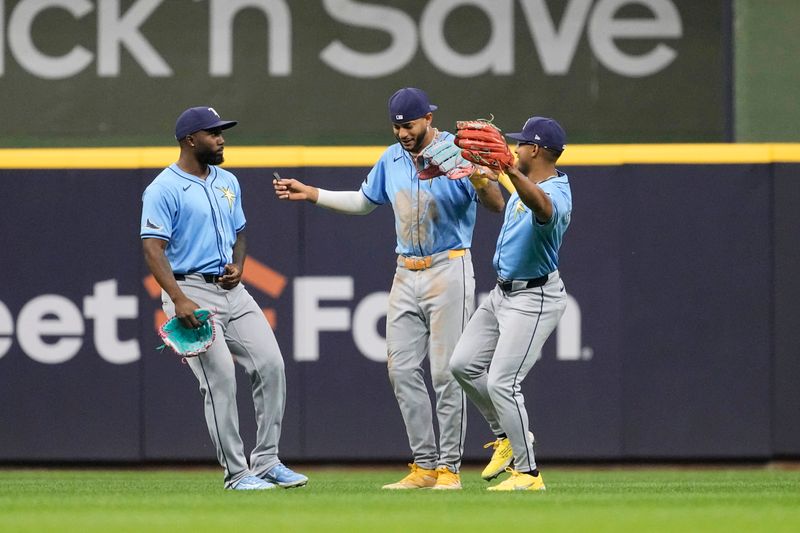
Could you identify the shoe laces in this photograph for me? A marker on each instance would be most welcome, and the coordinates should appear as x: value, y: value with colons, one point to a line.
x: 280, y: 469
x: 494, y: 444
x: 513, y: 472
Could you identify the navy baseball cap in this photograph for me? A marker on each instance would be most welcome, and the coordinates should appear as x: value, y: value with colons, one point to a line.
x: 409, y: 104
x: 200, y: 118
x: 543, y: 131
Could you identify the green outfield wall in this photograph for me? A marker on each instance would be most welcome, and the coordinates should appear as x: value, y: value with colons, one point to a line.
x: 118, y: 72
x: 767, y: 70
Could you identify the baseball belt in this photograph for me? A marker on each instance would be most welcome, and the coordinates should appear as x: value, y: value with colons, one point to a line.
x: 513, y: 285
x: 423, y: 262
x: 209, y: 278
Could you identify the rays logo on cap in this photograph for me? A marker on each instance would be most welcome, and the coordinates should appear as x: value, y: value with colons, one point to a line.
x: 543, y: 131
x: 398, y: 117
x: 214, y: 111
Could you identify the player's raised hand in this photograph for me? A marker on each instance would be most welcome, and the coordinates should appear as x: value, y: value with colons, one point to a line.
x: 291, y: 189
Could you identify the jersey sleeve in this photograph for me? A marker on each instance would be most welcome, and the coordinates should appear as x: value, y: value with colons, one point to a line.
x: 374, y: 186
x: 561, y: 208
x: 157, y: 208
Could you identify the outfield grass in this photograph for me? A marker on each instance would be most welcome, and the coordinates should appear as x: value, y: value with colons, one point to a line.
x: 577, y: 499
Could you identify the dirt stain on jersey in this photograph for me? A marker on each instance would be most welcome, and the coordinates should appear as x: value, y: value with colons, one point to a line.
x: 416, y: 213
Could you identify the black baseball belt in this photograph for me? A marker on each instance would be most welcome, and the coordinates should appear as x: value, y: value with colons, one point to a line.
x: 513, y: 285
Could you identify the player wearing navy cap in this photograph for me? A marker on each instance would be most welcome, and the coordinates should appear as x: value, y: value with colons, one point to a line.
x: 504, y: 337
x: 432, y: 295
x: 194, y: 244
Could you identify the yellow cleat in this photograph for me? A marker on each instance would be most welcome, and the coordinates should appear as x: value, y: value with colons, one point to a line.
x: 447, y: 480
x: 419, y: 478
x: 501, y: 458
x: 519, y: 481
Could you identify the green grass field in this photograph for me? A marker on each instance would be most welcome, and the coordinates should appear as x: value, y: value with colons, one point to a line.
x: 340, y: 499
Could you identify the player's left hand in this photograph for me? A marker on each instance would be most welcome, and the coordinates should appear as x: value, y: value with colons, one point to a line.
x: 230, y: 277
x: 443, y: 158
x: 483, y: 143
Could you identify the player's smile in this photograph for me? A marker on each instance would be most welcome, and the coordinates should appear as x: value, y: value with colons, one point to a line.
x: 411, y: 135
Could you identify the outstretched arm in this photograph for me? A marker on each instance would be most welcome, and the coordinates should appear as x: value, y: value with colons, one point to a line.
x: 348, y: 202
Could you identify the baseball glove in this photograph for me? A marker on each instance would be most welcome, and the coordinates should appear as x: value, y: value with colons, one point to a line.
x: 188, y: 342
x: 443, y: 158
x: 482, y: 143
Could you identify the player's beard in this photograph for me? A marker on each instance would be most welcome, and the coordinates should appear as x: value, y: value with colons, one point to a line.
x: 210, y: 158
x: 418, y: 140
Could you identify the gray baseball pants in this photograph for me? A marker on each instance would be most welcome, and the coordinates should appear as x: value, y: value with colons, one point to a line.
x: 499, y: 346
x: 243, y: 334
x: 428, y: 310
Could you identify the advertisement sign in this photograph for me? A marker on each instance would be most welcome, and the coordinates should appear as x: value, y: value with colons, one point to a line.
x: 118, y: 72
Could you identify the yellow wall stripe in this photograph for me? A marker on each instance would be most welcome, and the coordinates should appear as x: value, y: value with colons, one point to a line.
x: 365, y: 156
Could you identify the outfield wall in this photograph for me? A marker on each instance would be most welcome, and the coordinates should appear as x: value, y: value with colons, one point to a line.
x: 680, y: 341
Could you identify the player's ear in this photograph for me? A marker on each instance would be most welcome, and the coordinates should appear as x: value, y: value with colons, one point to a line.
x: 190, y: 139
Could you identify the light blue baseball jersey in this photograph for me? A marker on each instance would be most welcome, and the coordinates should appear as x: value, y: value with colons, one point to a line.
x: 199, y: 218
x: 430, y: 216
x: 527, y: 249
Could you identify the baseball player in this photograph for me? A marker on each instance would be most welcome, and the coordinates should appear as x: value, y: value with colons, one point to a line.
x: 504, y: 337
x: 194, y: 244
x: 432, y: 295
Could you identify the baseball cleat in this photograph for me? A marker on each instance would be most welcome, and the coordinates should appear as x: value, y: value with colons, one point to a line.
x: 447, y: 480
x: 252, y: 483
x: 519, y: 481
x: 284, y: 476
x: 419, y: 478
x: 501, y: 458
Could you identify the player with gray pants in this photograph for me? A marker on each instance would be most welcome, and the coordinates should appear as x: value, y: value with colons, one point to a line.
x: 432, y: 294
x: 194, y: 244
x: 504, y: 337
x: 428, y: 310
x: 243, y: 332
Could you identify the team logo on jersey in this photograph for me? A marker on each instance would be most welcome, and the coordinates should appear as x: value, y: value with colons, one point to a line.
x: 520, y: 209
x: 152, y: 225
x: 228, y: 195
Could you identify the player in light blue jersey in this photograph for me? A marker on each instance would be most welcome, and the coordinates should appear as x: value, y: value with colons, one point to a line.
x: 433, y: 293
x: 194, y: 244
x: 504, y: 337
